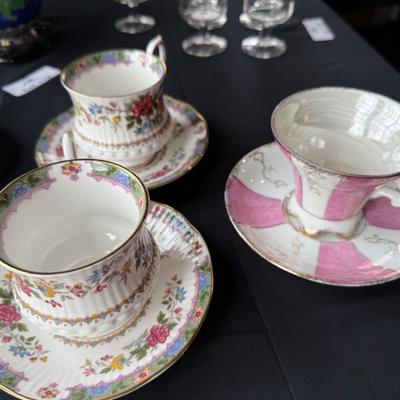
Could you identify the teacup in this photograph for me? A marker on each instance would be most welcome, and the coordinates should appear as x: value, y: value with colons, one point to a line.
x: 73, y: 235
x: 118, y: 101
x: 344, y: 145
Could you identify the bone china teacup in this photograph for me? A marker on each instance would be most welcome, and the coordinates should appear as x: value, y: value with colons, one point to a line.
x: 344, y: 145
x: 73, y: 235
x: 118, y: 101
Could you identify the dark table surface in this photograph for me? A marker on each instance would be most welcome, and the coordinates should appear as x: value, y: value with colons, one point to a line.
x: 268, y: 335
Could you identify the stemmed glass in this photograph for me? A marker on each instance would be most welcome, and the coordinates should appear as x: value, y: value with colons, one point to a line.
x: 203, y: 14
x: 266, y: 13
x: 134, y: 23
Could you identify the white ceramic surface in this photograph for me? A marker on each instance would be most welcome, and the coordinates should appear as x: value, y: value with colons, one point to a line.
x: 344, y: 145
x: 184, y: 150
x: 256, y: 197
x: 118, y: 101
x: 37, y: 365
x: 72, y: 233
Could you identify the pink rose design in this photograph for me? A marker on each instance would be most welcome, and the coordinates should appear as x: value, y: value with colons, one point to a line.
x: 9, y: 314
x: 142, y: 108
x: 178, y: 310
x: 6, y: 339
x: 158, y: 334
x: 159, y: 174
x: 23, y: 286
x: 39, y: 348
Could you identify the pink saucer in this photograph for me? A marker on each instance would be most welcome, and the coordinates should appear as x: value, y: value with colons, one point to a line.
x: 255, y: 194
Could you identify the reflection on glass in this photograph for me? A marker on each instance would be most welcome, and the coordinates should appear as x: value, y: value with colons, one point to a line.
x: 203, y: 14
x: 134, y: 22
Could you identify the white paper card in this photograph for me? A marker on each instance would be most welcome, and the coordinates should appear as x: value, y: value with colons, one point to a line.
x: 318, y: 29
x: 31, y: 81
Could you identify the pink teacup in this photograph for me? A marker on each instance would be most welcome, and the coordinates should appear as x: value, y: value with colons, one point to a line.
x: 344, y: 145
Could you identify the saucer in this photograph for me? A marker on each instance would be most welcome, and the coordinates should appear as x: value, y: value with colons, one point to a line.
x: 255, y: 197
x: 184, y: 150
x: 37, y: 365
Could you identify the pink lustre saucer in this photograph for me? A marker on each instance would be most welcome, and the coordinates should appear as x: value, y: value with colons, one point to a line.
x: 255, y: 200
x: 37, y: 365
x: 185, y: 149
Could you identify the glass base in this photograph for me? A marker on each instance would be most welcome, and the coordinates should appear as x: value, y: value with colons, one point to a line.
x: 204, y: 46
x: 135, y: 23
x: 266, y: 48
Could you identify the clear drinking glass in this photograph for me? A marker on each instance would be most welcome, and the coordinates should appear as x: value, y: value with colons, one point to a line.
x: 134, y: 22
x: 249, y: 23
x: 203, y: 14
x: 266, y: 13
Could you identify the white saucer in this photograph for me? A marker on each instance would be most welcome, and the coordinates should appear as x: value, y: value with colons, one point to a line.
x: 185, y: 149
x: 255, y: 195
x: 37, y: 365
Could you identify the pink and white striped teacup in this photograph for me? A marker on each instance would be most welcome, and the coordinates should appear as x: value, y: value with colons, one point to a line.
x: 344, y: 145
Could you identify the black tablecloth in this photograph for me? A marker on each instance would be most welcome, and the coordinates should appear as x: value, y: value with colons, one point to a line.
x: 268, y: 335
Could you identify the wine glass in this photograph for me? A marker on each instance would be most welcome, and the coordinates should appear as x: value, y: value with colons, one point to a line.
x: 134, y: 23
x: 203, y: 14
x: 249, y: 23
x: 266, y: 13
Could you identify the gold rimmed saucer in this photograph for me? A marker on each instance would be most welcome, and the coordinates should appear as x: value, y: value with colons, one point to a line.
x: 35, y: 365
x: 185, y: 149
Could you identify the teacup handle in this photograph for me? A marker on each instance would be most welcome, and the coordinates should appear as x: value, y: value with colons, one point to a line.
x: 392, y: 194
x: 158, y: 43
x: 68, y: 147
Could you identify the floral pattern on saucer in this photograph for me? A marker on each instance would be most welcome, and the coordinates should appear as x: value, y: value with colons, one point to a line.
x: 255, y: 197
x: 106, y: 369
x: 185, y: 149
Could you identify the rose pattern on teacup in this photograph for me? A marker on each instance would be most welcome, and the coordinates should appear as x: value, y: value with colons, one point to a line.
x: 114, y: 289
x: 13, y: 332
x: 76, y: 69
x: 129, y: 125
x: 56, y: 292
x: 140, y: 115
x: 136, y: 264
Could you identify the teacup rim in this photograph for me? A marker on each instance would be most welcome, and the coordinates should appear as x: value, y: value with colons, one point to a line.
x: 82, y: 94
x: 311, y: 163
x: 13, y: 268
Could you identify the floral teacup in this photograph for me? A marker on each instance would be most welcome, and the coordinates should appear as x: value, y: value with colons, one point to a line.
x: 344, y: 145
x: 73, y: 236
x: 119, y: 107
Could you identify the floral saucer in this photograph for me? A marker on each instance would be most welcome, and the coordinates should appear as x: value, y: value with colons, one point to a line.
x: 255, y: 198
x: 184, y: 150
x: 37, y: 365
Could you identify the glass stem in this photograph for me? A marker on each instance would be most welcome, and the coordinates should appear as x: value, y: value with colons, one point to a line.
x: 264, y: 34
x: 206, y: 33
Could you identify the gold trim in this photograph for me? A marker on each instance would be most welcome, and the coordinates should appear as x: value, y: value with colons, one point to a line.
x: 315, y: 234
x: 23, y: 271
x: 196, y: 160
x: 131, y: 51
x: 183, y: 350
x: 316, y: 166
x: 161, y: 131
x: 279, y: 263
x: 149, y: 186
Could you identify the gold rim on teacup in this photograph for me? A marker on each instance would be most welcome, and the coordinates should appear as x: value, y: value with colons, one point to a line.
x: 343, y: 145
x: 64, y: 72
x: 317, y: 166
x: 139, y: 225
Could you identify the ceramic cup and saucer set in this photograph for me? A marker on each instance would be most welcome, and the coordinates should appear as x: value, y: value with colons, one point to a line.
x: 321, y: 202
x: 121, y: 114
x: 101, y: 290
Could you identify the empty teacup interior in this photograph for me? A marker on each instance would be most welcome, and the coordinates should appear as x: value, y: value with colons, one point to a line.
x: 68, y: 215
x: 113, y: 73
x: 340, y: 129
